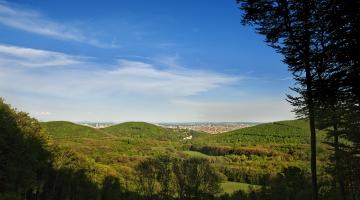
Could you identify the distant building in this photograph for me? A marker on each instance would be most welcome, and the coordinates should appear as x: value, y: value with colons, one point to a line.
x: 188, y: 138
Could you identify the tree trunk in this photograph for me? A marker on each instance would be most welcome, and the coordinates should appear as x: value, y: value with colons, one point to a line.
x: 337, y: 163
x: 310, y: 105
x: 313, y: 152
x: 309, y: 99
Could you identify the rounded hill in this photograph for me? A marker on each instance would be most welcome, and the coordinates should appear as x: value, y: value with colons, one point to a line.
x: 145, y: 130
x: 282, y: 132
x: 64, y: 129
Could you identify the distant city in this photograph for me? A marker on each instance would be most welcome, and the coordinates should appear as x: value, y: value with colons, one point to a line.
x: 209, y: 127
x: 97, y: 124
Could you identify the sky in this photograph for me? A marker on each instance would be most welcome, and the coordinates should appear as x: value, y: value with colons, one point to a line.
x: 138, y: 60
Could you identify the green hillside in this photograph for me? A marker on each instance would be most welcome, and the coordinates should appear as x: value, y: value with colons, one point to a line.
x: 248, y: 155
x: 64, y: 129
x: 282, y: 132
x: 244, y: 156
x: 287, y: 139
x: 145, y: 130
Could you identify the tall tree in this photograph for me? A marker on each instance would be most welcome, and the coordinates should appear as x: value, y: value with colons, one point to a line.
x: 320, y: 43
x: 344, y: 31
x: 328, y: 82
x: 289, y: 27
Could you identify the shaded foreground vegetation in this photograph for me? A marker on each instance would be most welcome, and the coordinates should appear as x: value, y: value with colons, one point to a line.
x: 319, y: 42
x: 61, y: 160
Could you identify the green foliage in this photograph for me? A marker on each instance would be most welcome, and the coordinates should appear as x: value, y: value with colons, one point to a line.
x: 283, y: 132
x: 86, y: 163
x: 23, y: 153
x: 32, y: 168
x: 291, y: 184
x: 143, y: 130
x: 318, y: 40
x: 252, y: 155
x: 147, y: 174
x: 196, y: 179
x: 195, y: 154
x: 241, y: 161
x: 167, y: 177
x: 63, y: 129
x: 232, y: 187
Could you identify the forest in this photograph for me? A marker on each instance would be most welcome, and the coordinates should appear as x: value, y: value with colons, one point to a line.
x: 314, y: 157
x: 135, y: 160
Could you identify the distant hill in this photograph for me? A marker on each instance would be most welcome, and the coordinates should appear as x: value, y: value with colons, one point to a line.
x: 64, y: 129
x: 145, y: 130
x: 282, y: 132
x: 135, y: 130
x: 245, y: 155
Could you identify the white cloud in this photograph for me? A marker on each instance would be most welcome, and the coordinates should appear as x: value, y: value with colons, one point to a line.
x: 179, y: 82
x: 68, y: 89
x: 34, y: 22
x: 18, y: 56
x: 171, y: 61
x: 76, y: 80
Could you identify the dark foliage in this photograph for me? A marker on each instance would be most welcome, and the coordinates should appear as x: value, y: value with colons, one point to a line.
x: 169, y: 178
x: 318, y: 40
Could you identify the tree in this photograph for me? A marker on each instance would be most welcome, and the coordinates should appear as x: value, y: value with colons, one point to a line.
x: 291, y: 184
x: 156, y: 176
x: 31, y: 168
x: 289, y: 27
x: 111, y: 189
x: 196, y: 179
x: 320, y: 43
x: 24, y: 155
x: 146, y: 177
x: 335, y: 84
x: 165, y: 176
x: 70, y: 177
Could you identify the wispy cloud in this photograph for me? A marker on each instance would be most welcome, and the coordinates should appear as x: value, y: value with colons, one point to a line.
x: 27, y: 57
x: 126, y: 90
x: 174, y: 82
x: 123, y: 78
x: 171, y: 61
x: 34, y: 22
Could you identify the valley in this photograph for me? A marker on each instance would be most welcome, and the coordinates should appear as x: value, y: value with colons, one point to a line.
x: 243, y: 157
x: 209, y: 127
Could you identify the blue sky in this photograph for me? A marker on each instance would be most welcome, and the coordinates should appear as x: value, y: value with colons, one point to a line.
x: 155, y: 61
